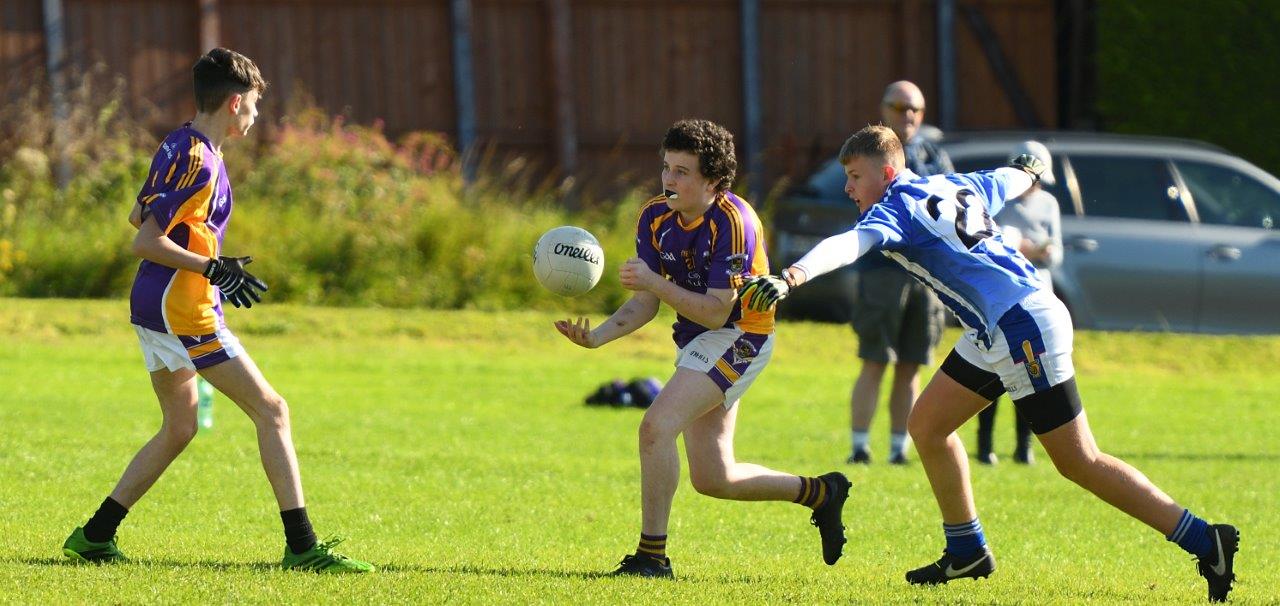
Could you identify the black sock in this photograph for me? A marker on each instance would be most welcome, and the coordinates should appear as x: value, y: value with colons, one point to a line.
x: 102, y: 526
x: 297, y: 530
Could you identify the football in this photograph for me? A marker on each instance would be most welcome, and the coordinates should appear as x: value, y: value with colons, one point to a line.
x: 568, y: 261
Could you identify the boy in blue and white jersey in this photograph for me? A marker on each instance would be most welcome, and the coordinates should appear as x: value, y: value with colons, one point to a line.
x: 1017, y: 339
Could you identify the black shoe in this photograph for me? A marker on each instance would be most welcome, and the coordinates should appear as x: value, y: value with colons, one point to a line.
x: 827, y: 517
x: 950, y: 568
x: 645, y: 566
x: 898, y: 459
x: 1218, y: 566
x: 1024, y: 456
x: 988, y: 458
x: 859, y: 457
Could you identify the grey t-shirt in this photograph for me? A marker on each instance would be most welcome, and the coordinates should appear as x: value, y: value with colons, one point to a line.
x: 1037, y: 216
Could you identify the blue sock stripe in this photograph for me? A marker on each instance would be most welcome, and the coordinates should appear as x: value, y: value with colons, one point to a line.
x: 1192, y: 535
x: 964, y: 539
x: 1183, y: 524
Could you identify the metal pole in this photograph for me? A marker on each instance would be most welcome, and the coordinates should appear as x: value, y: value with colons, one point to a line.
x: 946, y: 65
x: 562, y: 70
x: 752, y: 115
x: 56, y: 63
x: 464, y: 86
x: 210, y: 26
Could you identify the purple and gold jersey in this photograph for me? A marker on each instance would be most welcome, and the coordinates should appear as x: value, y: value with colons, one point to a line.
x: 721, y: 249
x: 188, y: 194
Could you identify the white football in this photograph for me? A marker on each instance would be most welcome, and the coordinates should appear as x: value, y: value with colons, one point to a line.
x: 568, y: 260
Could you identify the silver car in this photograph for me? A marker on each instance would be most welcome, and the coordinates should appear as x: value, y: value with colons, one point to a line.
x: 1159, y: 234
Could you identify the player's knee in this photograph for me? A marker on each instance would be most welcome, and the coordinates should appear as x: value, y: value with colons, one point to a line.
x: 712, y: 483
x: 274, y: 411
x: 922, y: 428
x: 652, y: 431
x: 179, y: 434
x: 1074, y: 467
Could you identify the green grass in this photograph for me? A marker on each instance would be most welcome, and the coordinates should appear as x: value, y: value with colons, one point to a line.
x: 452, y: 448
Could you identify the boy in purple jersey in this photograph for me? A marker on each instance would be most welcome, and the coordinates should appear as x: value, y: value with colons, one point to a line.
x: 694, y: 247
x: 181, y: 216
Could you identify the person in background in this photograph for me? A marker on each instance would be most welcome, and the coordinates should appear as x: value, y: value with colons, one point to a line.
x: 898, y: 320
x: 1032, y: 223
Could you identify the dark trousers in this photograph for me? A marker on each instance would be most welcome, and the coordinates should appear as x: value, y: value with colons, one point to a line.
x: 987, y: 422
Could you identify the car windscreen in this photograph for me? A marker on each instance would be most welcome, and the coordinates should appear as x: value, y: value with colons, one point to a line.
x: 1126, y: 187
x: 1224, y: 196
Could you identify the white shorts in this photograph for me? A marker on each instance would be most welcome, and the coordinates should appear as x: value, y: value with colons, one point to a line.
x: 1030, y: 346
x: 175, y: 352
x: 730, y: 357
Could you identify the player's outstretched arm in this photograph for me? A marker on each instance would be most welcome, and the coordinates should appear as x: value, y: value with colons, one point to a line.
x: 636, y: 312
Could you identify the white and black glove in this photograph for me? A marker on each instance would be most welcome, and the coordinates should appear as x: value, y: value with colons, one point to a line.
x: 1029, y: 164
x: 238, y: 286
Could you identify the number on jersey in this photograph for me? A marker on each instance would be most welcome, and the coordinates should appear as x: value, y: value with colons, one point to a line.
x: 971, y: 227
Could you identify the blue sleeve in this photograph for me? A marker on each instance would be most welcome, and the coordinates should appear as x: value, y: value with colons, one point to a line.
x: 989, y: 184
x: 891, y: 220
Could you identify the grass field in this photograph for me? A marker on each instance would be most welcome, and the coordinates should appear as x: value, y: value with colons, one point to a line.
x: 454, y: 451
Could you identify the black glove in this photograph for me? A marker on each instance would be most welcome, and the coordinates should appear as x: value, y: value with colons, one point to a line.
x: 238, y: 286
x: 763, y: 292
x: 1030, y: 165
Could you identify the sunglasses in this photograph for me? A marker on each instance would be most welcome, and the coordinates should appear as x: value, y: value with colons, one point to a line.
x: 903, y: 107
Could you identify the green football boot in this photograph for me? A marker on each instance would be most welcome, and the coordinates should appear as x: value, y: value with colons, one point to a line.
x: 321, y: 558
x: 84, y: 551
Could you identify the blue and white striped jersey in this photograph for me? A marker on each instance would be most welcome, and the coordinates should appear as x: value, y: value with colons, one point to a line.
x: 939, y: 228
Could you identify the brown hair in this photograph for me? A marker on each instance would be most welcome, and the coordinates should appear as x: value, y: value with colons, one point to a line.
x: 874, y: 141
x: 712, y: 143
x: 221, y: 73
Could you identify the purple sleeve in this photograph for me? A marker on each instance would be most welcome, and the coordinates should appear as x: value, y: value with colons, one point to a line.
x: 734, y: 249
x: 174, y: 190
x: 646, y: 245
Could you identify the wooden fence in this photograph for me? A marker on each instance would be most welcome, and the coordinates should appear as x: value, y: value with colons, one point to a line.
x: 588, y: 83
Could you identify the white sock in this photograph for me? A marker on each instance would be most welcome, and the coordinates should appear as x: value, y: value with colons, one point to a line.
x: 898, y: 442
x: 861, y: 439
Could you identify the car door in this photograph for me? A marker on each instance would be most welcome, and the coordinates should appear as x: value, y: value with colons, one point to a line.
x: 1130, y: 255
x: 1239, y: 246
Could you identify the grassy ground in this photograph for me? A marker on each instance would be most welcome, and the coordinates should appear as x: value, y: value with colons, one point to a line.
x: 453, y: 449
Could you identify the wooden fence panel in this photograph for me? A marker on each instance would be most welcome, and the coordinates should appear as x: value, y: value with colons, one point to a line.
x: 379, y: 61
x: 21, y: 47
x: 635, y: 66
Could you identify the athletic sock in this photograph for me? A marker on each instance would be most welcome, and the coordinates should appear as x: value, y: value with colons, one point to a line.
x: 102, y: 526
x: 1192, y: 535
x: 964, y: 540
x: 897, y: 443
x: 861, y: 439
x: 297, y: 530
x: 652, y: 545
x: 813, y: 493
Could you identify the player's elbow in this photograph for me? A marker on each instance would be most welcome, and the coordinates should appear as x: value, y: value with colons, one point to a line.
x: 139, y: 247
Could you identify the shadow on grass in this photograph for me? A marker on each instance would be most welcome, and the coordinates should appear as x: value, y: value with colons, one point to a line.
x: 1198, y: 456
x: 495, y: 572
x: 382, y: 568
x: 205, y: 564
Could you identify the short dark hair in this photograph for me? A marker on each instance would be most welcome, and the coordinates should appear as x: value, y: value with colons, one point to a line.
x: 712, y: 143
x: 221, y: 73
x: 874, y: 141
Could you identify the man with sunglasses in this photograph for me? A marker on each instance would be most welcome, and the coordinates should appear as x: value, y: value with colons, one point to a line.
x: 898, y: 320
